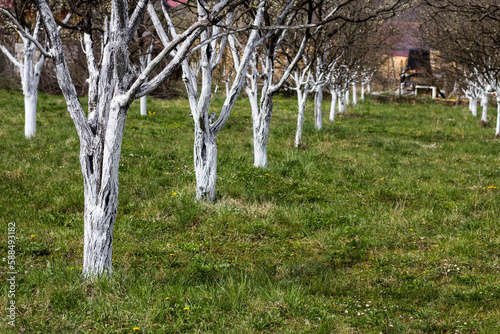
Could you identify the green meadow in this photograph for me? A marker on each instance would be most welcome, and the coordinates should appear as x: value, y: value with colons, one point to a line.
x: 386, y: 221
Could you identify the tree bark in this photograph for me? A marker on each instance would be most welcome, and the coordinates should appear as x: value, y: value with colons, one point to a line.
x: 362, y: 97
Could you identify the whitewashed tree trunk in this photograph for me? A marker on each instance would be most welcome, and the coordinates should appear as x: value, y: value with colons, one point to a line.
x: 205, y: 163
x: 261, y: 126
x: 341, y: 103
x: 334, y: 94
x: 30, y: 74
x: 318, y: 101
x: 354, y: 93
x: 145, y: 60
x: 362, y: 97
x: 497, y: 129
x: 302, y: 100
x: 473, y: 106
x: 484, y: 107
x: 346, y: 96
x: 144, y: 106
x: 30, y: 101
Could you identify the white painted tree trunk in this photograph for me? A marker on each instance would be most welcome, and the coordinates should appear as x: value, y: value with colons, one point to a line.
x: 205, y: 163
x: 144, y: 106
x: 484, y: 106
x: 497, y: 129
x: 362, y: 97
x: 100, y: 165
x: 30, y: 100
x: 302, y: 99
x: 342, y: 102
x: 354, y: 93
x: 261, y: 126
x: 334, y: 94
x: 318, y: 101
x: 473, y: 106
x: 346, y: 96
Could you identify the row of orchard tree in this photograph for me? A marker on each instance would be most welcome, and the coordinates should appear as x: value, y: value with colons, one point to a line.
x: 466, y: 33
x: 259, y: 46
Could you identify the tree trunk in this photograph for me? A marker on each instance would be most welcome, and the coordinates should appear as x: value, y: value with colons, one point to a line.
x: 334, y: 94
x: 497, y: 130
x: 354, y: 94
x: 261, y: 125
x: 144, y: 106
x: 346, y: 96
x: 30, y: 99
x: 484, y: 106
x: 100, y: 165
x: 318, y: 101
x: 362, y: 91
x: 205, y: 163
x: 341, y: 102
x: 473, y: 106
x: 302, y: 98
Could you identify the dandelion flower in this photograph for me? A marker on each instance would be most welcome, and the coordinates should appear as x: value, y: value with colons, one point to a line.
x: 186, y: 308
x: 136, y: 328
x: 32, y: 235
x: 174, y: 193
x: 167, y: 298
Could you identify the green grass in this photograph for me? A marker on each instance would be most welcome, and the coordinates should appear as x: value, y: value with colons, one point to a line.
x: 385, y: 221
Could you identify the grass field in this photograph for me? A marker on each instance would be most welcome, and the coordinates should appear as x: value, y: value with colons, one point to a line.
x: 386, y: 221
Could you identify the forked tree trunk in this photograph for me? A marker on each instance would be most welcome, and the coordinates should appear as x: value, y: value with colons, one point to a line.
x: 334, y: 94
x: 100, y: 165
x: 318, y: 101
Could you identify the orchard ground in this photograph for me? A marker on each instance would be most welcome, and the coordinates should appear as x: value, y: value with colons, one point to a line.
x: 385, y: 221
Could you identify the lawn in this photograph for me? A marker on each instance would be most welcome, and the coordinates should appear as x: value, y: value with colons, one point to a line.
x: 384, y: 221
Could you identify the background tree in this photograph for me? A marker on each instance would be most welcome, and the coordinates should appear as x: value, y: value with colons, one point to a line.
x: 23, y: 19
